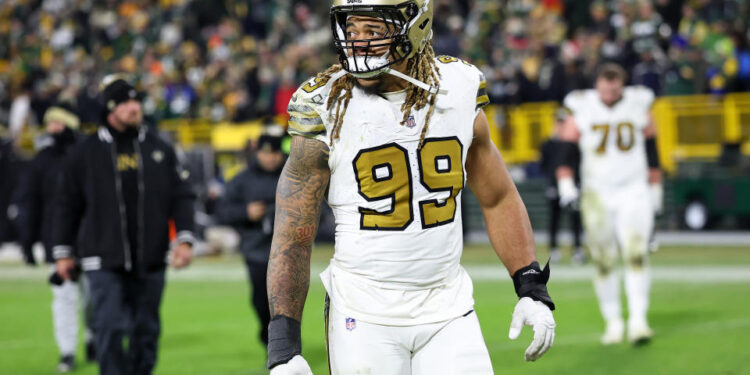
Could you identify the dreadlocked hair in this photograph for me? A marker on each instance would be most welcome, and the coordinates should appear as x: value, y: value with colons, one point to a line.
x: 421, y: 66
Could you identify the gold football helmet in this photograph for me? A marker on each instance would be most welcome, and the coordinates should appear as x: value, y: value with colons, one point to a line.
x: 409, y: 30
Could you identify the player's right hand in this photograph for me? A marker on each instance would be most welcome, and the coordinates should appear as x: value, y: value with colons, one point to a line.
x: 568, y: 191
x: 296, y: 366
x: 539, y: 317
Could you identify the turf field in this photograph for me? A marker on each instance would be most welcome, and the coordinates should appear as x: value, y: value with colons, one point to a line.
x: 700, y: 304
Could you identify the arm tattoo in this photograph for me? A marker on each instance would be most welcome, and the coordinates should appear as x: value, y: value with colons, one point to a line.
x: 300, y: 192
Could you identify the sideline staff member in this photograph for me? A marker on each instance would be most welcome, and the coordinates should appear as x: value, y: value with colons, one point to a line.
x: 37, y: 196
x: 120, y: 187
x: 550, y: 161
x: 248, y: 205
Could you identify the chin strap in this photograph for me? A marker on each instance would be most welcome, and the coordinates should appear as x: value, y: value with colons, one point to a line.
x: 416, y: 82
x: 393, y: 72
x: 336, y: 76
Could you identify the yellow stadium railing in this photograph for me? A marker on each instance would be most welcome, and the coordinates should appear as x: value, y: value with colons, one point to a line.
x: 689, y: 127
x: 519, y: 131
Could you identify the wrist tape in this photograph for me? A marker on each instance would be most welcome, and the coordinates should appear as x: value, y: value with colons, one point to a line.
x: 284, y: 340
x: 531, y: 281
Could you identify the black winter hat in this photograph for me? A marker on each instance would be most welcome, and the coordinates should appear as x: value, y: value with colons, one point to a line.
x: 115, y: 89
x: 268, y: 142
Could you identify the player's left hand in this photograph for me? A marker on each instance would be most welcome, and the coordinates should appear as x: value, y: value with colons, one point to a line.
x: 182, y: 255
x: 539, y: 317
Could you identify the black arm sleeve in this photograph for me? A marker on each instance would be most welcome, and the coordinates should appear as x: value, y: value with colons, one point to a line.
x: 284, y: 340
x: 652, y: 153
x: 29, y: 198
x: 183, y: 202
x: 70, y: 208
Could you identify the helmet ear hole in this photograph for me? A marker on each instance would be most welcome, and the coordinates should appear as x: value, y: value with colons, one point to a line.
x: 411, y: 10
x: 404, y: 47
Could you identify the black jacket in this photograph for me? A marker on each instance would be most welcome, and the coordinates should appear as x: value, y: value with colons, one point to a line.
x: 252, y: 184
x: 91, y: 200
x: 10, y: 165
x: 37, y: 194
x: 551, y: 158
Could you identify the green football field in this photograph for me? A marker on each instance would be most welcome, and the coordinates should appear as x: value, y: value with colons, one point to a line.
x: 700, y: 314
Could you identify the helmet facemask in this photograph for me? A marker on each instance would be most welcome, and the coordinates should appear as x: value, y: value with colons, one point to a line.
x: 363, y: 57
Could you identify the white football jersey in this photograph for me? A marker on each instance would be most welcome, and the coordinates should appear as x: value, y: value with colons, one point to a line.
x: 397, y: 208
x: 612, y: 143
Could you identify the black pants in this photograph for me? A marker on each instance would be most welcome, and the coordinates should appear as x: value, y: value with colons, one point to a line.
x: 258, y: 295
x: 126, y: 304
x: 555, y: 211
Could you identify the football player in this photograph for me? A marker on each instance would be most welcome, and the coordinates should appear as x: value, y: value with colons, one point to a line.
x: 389, y: 138
x: 620, y: 191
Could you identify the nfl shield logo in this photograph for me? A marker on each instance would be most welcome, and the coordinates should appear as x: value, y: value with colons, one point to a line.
x: 410, y: 122
x: 351, y: 324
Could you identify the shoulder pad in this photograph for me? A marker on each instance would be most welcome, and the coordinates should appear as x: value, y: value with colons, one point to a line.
x: 574, y: 99
x: 641, y: 95
x: 314, y: 91
x: 305, y: 108
x: 459, y: 65
x: 465, y: 74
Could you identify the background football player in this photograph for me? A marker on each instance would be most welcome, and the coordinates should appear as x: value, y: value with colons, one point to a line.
x: 389, y: 138
x: 621, y: 190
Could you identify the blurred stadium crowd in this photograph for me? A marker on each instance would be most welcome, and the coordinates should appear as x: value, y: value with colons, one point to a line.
x: 235, y: 60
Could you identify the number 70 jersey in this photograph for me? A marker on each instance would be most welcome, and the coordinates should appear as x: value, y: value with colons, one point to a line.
x: 397, y: 206
x: 612, y: 144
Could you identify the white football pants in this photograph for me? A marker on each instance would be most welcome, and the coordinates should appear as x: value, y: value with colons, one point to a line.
x: 66, y: 300
x: 619, y: 219
x: 454, y: 347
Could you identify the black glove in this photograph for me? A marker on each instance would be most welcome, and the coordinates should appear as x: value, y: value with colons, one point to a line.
x: 531, y: 282
x: 56, y: 279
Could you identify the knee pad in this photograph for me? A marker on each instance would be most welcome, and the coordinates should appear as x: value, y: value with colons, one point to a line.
x: 635, y: 252
x: 636, y: 261
x: 604, y: 269
x: 604, y: 265
x: 604, y: 258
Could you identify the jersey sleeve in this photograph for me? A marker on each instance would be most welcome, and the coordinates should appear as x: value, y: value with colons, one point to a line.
x: 645, y: 97
x: 305, y: 114
x: 572, y: 101
x: 482, y: 98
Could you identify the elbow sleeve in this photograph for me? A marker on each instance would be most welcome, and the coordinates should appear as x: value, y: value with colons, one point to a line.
x: 652, y: 154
